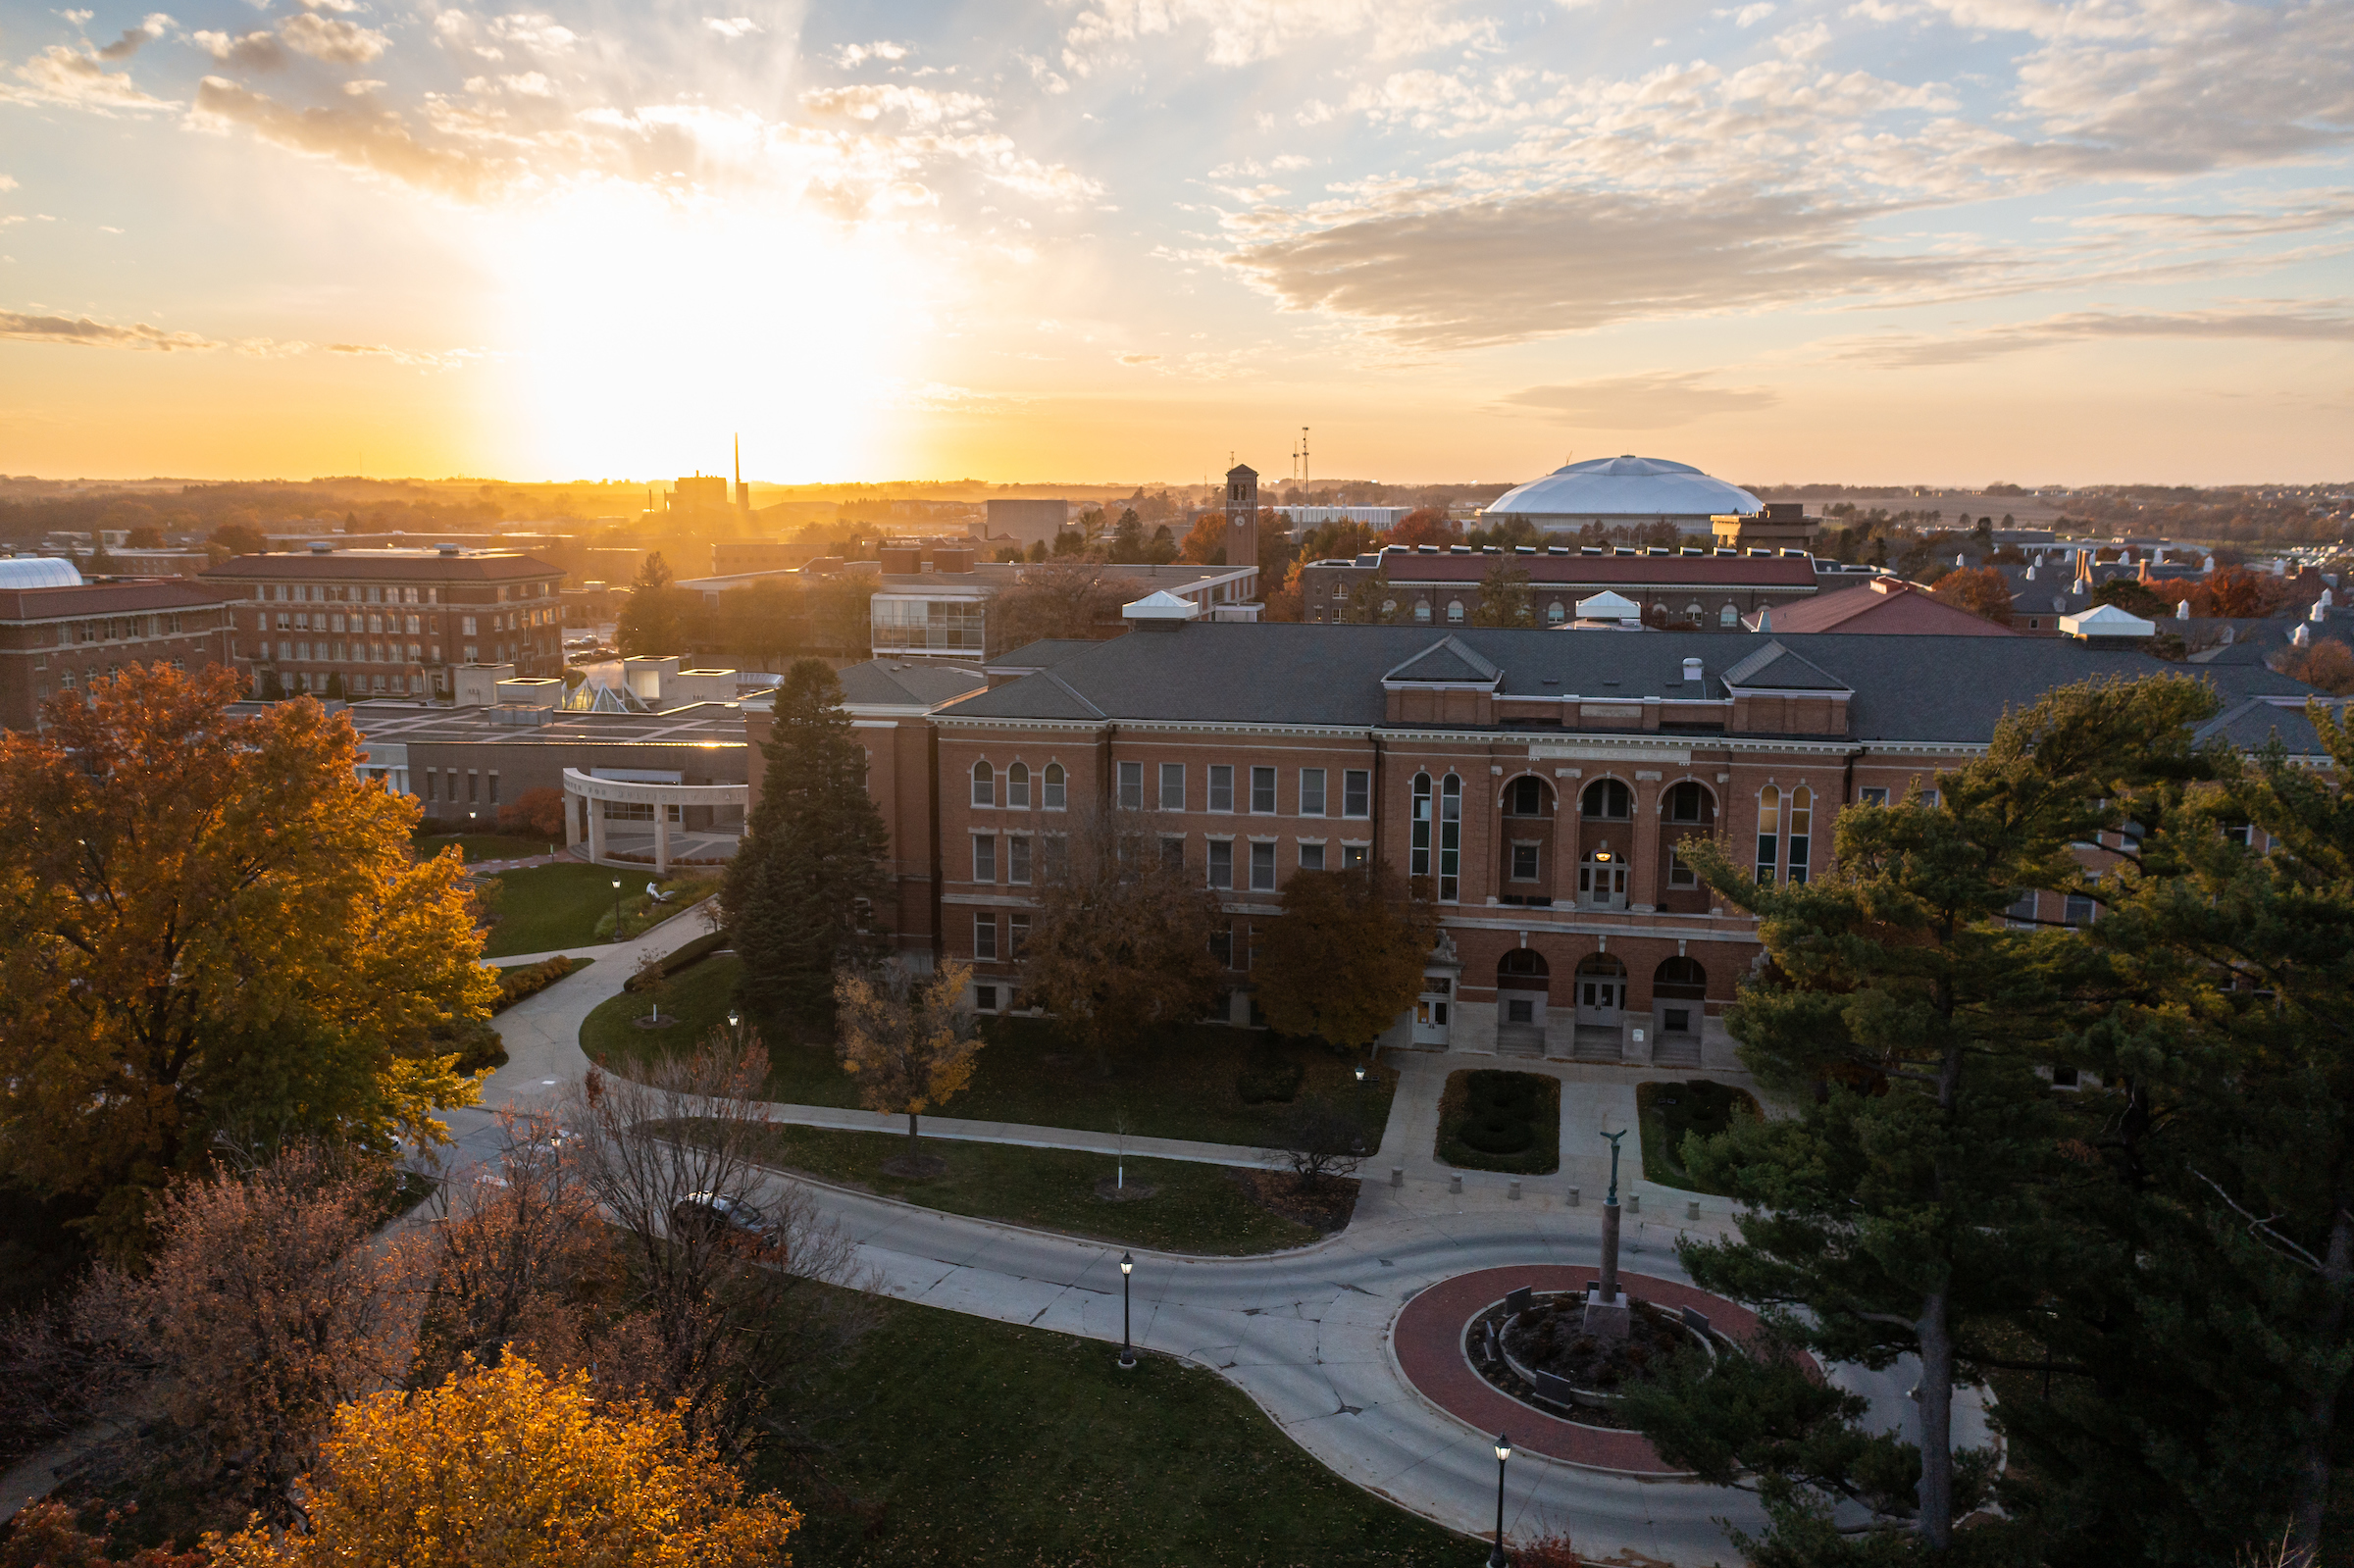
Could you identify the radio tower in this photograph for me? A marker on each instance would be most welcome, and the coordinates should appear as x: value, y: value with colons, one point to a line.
x: 1303, y: 463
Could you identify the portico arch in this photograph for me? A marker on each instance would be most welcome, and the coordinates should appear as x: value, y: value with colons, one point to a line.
x: 668, y: 806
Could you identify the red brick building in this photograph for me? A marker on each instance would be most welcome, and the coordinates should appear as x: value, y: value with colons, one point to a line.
x: 390, y: 622
x: 1542, y: 781
x: 60, y: 639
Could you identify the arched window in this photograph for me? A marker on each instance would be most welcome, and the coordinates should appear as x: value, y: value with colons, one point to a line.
x: 1608, y: 799
x: 1728, y: 617
x: 1693, y: 613
x: 1555, y: 613
x: 1052, y: 787
x: 1451, y: 839
x: 1422, y: 609
x: 1018, y: 785
x: 1454, y: 612
x: 985, y: 784
x: 1418, y: 859
x: 1688, y: 802
x: 1802, y: 830
x: 1770, y: 833
x: 1524, y: 796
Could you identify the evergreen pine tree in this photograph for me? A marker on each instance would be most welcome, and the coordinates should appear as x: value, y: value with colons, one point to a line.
x: 1903, y: 1212
x: 806, y: 887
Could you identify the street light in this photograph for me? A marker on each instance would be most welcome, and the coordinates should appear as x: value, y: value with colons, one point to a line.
x: 1127, y: 1350
x: 1503, y: 1451
x: 617, y: 909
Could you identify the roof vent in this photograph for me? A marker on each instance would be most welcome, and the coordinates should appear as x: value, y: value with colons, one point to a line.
x: 1557, y: 549
x: 323, y: 547
x: 1692, y: 672
x: 1591, y: 549
x: 447, y: 552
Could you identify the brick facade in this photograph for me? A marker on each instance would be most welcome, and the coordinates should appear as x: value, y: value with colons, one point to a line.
x: 55, y: 640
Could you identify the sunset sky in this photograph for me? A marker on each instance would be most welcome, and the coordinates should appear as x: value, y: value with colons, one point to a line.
x: 1869, y: 240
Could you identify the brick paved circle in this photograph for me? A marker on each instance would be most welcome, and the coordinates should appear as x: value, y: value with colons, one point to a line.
x: 1428, y: 1341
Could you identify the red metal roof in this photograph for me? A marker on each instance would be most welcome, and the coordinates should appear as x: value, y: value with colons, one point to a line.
x: 107, y: 598
x: 1882, y: 606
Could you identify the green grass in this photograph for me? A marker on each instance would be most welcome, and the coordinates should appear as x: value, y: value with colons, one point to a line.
x: 1182, y: 1083
x: 1701, y: 1106
x: 1477, y: 1096
x: 967, y: 1443
x: 1194, y: 1208
x: 486, y: 846
x: 543, y: 908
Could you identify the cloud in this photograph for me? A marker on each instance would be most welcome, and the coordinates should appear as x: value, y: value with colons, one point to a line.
x: 871, y: 101
x: 1654, y: 401
x: 82, y: 333
x: 133, y: 38
x: 355, y: 137
x: 2286, y: 320
x: 1140, y: 359
x: 63, y: 76
x: 732, y: 27
x: 1239, y: 32
x: 1461, y: 274
x: 451, y: 360
x: 255, y: 51
x: 331, y: 39
x: 8, y: 182
x: 858, y: 54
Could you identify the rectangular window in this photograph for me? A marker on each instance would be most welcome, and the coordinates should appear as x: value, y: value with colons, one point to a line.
x: 1017, y: 858
x: 1221, y: 863
x: 1172, y: 786
x: 1524, y: 862
x: 1221, y: 788
x: 493, y: 782
x: 1221, y: 945
x: 1017, y: 934
x: 1770, y: 833
x: 1311, y: 792
x: 1051, y: 788
x: 473, y: 783
x: 1357, y: 792
x: 1132, y: 786
x: 1057, y: 857
x: 1311, y: 857
x: 1172, y: 852
x: 2023, y: 908
x: 985, y: 936
x: 1262, y: 792
x: 1017, y: 786
x: 2080, y: 908
x: 1802, y: 828
x: 1262, y: 866
x: 1681, y: 875
x: 1355, y: 855
x: 433, y: 786
x: 985, y: 857
x: 985, y: 784
x: 1872, y: 795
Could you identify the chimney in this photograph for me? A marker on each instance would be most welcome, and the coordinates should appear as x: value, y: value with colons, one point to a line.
x: 1692, y: 677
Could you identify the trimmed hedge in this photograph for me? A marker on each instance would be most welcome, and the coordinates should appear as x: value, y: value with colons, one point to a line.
x: 1491, y: 1120
x: 519, y: 981
x: 694, y: 952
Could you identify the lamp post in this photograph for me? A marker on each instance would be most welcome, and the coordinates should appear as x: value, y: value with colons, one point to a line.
x: 1128, y: 1349
x: 617, y: 909
x: 1503, y: 1451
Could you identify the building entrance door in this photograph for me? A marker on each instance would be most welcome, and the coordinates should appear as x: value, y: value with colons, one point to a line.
x: 1431, y: 1010
x: 1602, y: 880
x: 1601, y: 993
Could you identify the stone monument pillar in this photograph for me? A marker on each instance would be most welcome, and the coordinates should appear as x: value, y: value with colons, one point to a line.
x: 1607, y: 1310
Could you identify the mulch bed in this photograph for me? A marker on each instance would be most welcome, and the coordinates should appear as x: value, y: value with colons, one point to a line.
x: 1323, y: 1210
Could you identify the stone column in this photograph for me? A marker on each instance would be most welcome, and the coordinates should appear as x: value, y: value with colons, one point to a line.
x: 574, y: 805
x: 661, y: 841
x: 596, y: 831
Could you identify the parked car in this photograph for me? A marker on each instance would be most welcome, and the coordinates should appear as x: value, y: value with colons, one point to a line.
x: 734, y: 1221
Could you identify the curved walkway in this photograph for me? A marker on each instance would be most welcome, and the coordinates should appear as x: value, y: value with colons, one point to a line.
x: 1307, y: 1335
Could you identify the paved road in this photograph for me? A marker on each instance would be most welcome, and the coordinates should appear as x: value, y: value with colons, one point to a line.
x: 1305, y: 1333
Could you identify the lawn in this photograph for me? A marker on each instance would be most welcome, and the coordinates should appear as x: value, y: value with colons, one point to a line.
x: 1193, y: 1207
x: 1497, y: 1121
x: 1187, y: 1083
x: 956, y: 1441
x: 486, y: 847
x: 1668, y: 1111
x: 543, y: 908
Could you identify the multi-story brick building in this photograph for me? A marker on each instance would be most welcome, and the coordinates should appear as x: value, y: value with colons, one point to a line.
x: 59, y: 634
x: 1712, y: 589
x: 378, y: 622
x: 1540, y: 780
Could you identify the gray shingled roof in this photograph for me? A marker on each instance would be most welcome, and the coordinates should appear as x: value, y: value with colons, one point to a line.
x: 1924, y: 688
x: 1447, y: 660
x: 1774, y: 668
x: 899, y: 682
x: 2249, y: 726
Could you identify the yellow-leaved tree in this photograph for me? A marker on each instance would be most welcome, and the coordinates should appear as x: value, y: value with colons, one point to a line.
x: 909, y: 1042
x: 211, y: 924
x: 505, y: 1467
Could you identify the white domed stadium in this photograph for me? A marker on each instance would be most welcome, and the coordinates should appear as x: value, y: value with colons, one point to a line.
x: 1624, y: 491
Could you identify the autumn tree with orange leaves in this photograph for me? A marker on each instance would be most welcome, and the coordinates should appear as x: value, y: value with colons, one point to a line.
x: 507, y: 1465
x: 1983, y: 591
x: 211, y: 924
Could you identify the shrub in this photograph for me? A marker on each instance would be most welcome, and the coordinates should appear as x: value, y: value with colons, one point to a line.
x: 1497, y: 1133
x: 1322, y: 1142
x: 519, y: 981
x: 1267, y: 1079
x: 1492, y: 1120
x: 536, y: 812
x: 685, y: 956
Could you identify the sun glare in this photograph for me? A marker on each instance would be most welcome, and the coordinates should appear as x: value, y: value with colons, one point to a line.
x: 644, y: 334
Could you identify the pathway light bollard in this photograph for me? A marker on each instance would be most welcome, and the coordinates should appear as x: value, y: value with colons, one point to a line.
x: 1504, y: 1452
x: 1127, y: 1349
x: 617, y: 909
x: 1634, y: 1202
x: 1575, y: 1197
x: 1455, y: 1182
x: 1692, y: 1208
x: 1397, y: 1176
